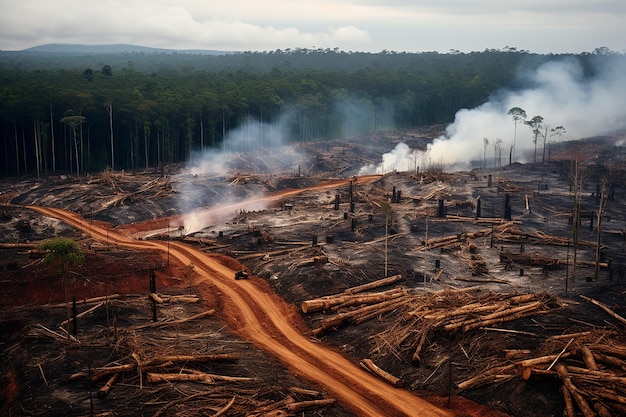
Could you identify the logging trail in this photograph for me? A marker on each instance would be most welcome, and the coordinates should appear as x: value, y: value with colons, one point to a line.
x: 260, y: 316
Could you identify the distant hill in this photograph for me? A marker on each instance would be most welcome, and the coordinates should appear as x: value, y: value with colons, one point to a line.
x: 76, y: 49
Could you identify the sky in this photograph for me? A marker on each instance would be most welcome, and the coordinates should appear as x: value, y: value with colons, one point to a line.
x: 540, y: 26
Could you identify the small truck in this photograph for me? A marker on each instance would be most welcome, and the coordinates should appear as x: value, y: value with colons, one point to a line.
x: 241, y: 274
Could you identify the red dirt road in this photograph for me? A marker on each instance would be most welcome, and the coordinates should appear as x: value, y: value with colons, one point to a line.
x: 271, y: 324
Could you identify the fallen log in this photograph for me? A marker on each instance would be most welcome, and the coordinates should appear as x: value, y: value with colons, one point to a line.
x: 487, y: 377
x: 84, y: 313
x: 194, y: 377
x: 583, y: 405
x: 503, y: 319
x: 504, y: 314
x: 368, y: 299
x: 161, y: 299
x: 308, y: 405
x: 605, y: 308
x: 104, y: 391
x: 370, y: 366
x: 588, y: 358
x: 174, y: 322
x: 326, y: 303
x: 540, y: 360
x: 375, y: 284
x: 568, y: 411
x: 358, y: 316
x: 416, y: 358
x: 609, y: 360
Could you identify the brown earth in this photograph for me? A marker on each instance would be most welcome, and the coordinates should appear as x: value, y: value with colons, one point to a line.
x: 138, y: 230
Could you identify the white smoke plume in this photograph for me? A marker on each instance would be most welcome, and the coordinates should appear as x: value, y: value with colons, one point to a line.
x: 206, y: 198
x: 558, y: 92
x: 401, y: 158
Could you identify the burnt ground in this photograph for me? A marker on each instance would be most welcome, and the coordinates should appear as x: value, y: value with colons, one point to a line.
x: 275, y: 242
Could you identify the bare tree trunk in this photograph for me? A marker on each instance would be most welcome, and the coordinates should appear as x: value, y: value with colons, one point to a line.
x: 17, y: 151
x: 109, y: 106
x: 54, y: 158
x: 603, y: 198
x: 36, y: 130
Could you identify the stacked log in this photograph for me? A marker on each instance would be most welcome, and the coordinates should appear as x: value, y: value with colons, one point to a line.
x: 597, y: 388
x: 357, y: 304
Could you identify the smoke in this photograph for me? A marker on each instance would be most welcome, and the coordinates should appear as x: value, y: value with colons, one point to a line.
x: 401, y: 158
x: 207, y: 198
x: 556, y: 91
x: 361, y: 116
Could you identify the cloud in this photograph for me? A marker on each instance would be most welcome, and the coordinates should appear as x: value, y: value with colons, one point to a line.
x: 373, y: 25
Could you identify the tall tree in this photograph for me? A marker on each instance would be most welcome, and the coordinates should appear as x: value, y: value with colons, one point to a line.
x: 535, y: 124
x: 74, y: 122
x: 519, y: 115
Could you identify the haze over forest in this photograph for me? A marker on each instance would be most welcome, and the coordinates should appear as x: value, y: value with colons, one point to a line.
x: 72, y: 110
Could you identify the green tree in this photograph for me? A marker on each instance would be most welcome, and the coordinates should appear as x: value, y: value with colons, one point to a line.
x: 63, y: 252
x: 536, y: 124
x: 518, y: 114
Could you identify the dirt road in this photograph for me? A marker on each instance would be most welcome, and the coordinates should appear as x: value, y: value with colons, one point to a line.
x: 261, y: 317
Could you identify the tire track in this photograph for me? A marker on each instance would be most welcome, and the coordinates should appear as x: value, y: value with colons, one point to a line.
x: 264, y: 320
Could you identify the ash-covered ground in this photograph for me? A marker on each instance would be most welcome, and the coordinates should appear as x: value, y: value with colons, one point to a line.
x: 510, y: 230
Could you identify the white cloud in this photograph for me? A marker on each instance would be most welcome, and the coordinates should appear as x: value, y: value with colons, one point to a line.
x: 401, y: 25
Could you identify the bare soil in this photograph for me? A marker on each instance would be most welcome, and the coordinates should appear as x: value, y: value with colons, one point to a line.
x: 299, y: 221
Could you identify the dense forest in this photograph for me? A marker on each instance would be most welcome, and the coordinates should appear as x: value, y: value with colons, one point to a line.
x: 83, y: 112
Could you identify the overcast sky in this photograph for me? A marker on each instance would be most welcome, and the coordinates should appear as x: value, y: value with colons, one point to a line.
x: 541, y: 26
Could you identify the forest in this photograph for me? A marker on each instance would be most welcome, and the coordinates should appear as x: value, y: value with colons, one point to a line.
x: 77, y: 113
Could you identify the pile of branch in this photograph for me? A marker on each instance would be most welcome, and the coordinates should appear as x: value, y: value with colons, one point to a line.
x: 534, y: 259
x: 452, y: 311
x: 357, y: 304
x: 138, y: 365
x: 461, y: 238
x: 596, y: 388
x: 515, y: 235
x: 299, y: 401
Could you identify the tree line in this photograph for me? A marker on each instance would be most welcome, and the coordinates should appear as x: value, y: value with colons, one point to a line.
x: 83, y: 113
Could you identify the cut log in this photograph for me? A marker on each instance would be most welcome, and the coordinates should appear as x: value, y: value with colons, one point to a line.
x: 361, y: 313
x: 416, y: 358
x: 610, y: 360
x: 103, y: 392
x: 605, y: 308
x: 370, y: 366
x: 308, y: 405
x: 568, y: 411
x: 195, y: 377
x: 583, y: 405
x: 487, y: 377
x: 161, y: 299
x: 541, y: 360
x: 375, y: 284
x: 332, y: 301
x: 588, y: 358
x: 84, y: 313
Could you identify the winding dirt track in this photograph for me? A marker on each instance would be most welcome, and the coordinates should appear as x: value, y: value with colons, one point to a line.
x: 270, y: 323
